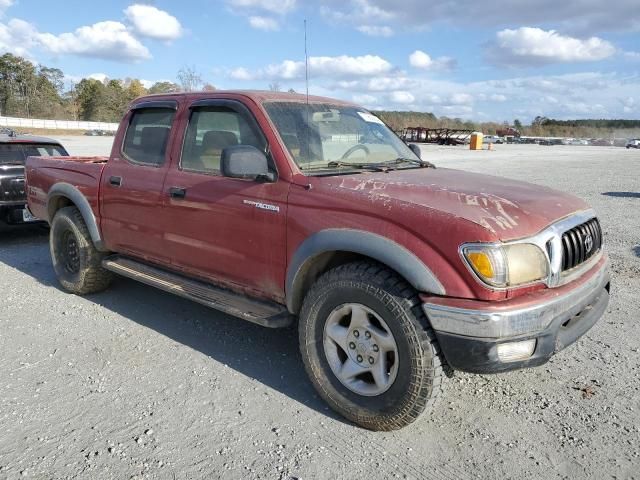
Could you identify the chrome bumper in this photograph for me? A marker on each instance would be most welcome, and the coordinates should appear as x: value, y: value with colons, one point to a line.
x: 501, y: 320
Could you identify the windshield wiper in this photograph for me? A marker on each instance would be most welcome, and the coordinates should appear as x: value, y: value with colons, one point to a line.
x: 422, y: 163
x: 375, y: 167
x: 378, y: 167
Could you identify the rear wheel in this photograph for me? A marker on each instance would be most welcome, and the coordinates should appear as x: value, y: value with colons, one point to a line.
x: 77, y: 262
x: 367, y: 346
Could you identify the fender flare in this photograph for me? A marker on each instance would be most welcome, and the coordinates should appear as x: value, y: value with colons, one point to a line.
x: 72, y: 193
x: 377, y: 247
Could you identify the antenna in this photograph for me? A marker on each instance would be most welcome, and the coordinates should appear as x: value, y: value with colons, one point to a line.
x: 306, y: 60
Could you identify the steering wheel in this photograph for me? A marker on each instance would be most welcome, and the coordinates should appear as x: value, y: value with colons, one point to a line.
x: 355, y: 148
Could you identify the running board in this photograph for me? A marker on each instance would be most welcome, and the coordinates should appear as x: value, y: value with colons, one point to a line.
x: 267, y: 314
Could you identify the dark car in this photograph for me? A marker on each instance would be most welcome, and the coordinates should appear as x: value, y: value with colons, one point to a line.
x: 14, y: 150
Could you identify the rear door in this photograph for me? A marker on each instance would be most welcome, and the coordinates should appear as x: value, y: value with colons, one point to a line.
x: 229, y: 231
x: 132, y: 182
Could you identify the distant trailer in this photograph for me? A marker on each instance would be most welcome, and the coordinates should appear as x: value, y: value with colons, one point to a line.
x: 439, y: 136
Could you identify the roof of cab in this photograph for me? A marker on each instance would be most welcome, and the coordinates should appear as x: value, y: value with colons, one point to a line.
x: 259, y: 96
x: 26, y: 138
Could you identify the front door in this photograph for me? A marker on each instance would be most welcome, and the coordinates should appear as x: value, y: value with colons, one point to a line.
x: 229, y: 231
x: 132, y: 182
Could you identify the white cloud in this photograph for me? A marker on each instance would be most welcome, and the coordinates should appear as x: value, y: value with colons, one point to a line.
x: 498, y: 97
x: 17, y: 37
x: 629, y: 105
x: 332, y: 67
x: 632, y: 55
x: 281, y: 7
x: 149, y: 21
x: 376, y: 30
x: 534, y: 46
x: 101, y: 77
x: 358, y: 12
x: 460, y: 99
x: 575, y: 16
x: 264, y: 23
x: 380, y: 84
x: 423, y: 61
x: 147, y: 83
x: 345, y: 65
x: 4, y: 4
x: 419, y: 59
x: 241, y: 73
x: 365, y: 99
x: 109, y: 40
x: 402, y: 97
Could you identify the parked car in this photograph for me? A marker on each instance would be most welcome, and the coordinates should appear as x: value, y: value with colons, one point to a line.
x: 14, y: 150
x: 492, y: 139
x: 550, y: 141
x: 278, y: 208
x: 635, y: 143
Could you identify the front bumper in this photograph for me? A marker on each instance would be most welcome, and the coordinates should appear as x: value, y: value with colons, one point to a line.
x: 469, y: 331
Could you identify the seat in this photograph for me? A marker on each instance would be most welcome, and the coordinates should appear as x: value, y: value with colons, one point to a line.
x: 213, y: 142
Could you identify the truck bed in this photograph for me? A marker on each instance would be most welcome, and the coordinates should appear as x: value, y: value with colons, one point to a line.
x: 84, y: 173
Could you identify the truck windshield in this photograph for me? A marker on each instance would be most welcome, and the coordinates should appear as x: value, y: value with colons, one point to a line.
x: 17, y: 153
x: 323, y: 137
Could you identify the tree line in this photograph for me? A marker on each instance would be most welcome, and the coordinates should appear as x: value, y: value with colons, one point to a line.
x: 36, y: 91
x: 539, y: 127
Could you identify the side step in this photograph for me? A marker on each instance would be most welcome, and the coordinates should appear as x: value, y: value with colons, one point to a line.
x: 267, y: 314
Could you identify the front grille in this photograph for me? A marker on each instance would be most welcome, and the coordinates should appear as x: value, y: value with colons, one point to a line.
x: 580, y: 244
x: 12, y: 189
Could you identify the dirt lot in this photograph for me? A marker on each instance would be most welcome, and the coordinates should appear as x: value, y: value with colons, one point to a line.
x: 135, y: 383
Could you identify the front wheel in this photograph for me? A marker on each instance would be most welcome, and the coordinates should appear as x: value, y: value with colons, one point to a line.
x: 368, y: 348
x: 77, y: 262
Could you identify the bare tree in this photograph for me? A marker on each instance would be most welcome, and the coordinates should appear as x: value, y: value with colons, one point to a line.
x: 189, y: 78
x: 274, y: 87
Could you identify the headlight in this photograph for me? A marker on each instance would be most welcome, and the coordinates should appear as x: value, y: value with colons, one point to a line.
x: 506, y: 265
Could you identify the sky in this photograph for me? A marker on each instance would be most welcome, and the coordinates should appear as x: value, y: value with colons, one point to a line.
x: 485, y: 61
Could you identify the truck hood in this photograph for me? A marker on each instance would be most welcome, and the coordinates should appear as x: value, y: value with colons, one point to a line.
x: 510, y: 209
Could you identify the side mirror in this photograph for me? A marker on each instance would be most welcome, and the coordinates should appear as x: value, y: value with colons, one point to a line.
x: 244, y: 161
x: 416, y: 149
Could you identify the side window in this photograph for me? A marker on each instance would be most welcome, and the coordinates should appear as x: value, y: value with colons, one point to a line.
x: 147, y: 135
x: 210, y: 131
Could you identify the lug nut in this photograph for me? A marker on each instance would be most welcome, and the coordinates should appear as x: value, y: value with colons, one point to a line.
x: 352, y: 345
x: 356, y: 333
x: 376, y: 348
x: 367, y: 334
x: 371, y: 360
x: 359, y: 358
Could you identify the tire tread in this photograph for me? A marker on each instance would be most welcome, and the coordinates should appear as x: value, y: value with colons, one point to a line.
x: 399, y: 296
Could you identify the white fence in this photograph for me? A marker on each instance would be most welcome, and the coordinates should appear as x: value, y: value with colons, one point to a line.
x: 56, y: 124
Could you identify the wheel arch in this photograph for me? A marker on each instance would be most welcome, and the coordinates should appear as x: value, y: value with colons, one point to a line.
x: 332, y: 247
x: 65, y: 195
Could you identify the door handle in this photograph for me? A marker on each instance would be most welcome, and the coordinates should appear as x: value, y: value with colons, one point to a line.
x: 177, y: 192
x: 115, y: 181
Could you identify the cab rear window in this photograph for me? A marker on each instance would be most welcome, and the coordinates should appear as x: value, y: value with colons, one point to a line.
x: 17, y: 153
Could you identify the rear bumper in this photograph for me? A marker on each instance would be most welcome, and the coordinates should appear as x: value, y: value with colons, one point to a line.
x: 12, y: 214
x: 469, y: 332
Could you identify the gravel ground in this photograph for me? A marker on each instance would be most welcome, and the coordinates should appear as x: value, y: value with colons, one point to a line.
x: 135, y: 383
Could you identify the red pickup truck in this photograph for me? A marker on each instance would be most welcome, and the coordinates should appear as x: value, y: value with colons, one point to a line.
x: 278, y: 208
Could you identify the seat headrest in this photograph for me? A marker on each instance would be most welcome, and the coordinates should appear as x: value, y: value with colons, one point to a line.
x: 218, y: 140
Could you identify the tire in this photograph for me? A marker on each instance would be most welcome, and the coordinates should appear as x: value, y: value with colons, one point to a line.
x: 76, y: 261
x: 341, y: 295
